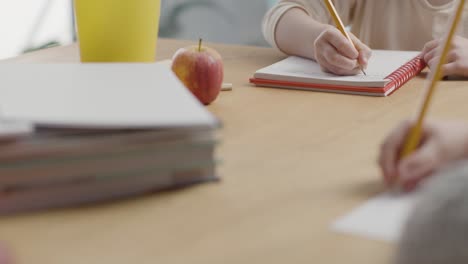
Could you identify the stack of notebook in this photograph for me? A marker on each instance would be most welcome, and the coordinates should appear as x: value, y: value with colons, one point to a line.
x: 80, y: 133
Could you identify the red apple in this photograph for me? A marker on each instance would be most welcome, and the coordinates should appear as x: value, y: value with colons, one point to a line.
x: 201, y: 70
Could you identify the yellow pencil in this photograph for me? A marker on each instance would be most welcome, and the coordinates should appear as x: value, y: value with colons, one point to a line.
x: 339, y: 24
x: 414, y: 137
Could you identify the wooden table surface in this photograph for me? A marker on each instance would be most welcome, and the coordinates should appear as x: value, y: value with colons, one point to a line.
x: 293, y: 162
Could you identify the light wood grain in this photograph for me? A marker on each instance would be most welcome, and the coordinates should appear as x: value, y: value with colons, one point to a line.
x: 293, y: 161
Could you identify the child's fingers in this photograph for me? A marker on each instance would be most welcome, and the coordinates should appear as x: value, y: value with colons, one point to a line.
x: 411, y: 184
x: 429, y: 46
x: 327, y: 67
x: 430, y: 55
x: 364, y: 51
x: 433, y: 64
x: 390, y: 151
x: 453, y: 55
x: 364, y: 58
x: 336, y: 54
x: 336, y: 59
x: 362, y: 48
x: 358, y: 43
x: 418, y: 165
x: 451, y: 68
x: 433, y: 59
x: 333, y: 62
x: 452, y: 65
x: 341, y: 43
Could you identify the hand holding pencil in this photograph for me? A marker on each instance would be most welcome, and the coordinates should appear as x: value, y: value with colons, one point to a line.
x: 338, y: 51
x: 443, y: 143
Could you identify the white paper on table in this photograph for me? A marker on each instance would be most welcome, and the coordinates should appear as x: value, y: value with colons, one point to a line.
x: 381, y: 218
x: 99, y: 95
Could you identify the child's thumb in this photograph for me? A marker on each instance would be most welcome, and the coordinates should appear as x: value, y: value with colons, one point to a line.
x: 419, y: 164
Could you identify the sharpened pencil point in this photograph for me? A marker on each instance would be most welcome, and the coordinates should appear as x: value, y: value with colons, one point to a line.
x: 362, y: 70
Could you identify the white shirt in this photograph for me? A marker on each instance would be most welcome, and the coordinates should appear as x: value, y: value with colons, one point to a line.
x: 381, y: 24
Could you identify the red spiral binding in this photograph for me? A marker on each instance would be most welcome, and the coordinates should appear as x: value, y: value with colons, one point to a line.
x: 406, y: 72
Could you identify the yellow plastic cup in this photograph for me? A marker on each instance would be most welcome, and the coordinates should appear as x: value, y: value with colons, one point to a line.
x: 118, y: 30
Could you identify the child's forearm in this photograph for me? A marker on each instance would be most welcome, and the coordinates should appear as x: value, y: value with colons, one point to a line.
x: 296, y: 33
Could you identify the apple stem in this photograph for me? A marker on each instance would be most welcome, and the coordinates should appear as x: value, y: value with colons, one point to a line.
x: 199, y: 44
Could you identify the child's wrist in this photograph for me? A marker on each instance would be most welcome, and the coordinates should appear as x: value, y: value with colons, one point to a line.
x: 320, y: 28
x: 317, y: 29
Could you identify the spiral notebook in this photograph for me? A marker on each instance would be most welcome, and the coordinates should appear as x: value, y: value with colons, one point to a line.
x: 387, y: 71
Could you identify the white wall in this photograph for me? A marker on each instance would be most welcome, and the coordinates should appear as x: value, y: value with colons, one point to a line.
x: 238, y: 22
x: 18, y: 18
x: 228, y: 21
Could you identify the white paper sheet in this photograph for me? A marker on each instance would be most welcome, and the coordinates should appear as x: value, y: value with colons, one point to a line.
x: 381, y: 218
x: 99, y: 95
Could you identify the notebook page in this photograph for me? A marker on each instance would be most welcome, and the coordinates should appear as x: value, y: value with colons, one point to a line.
x: 296, y: 69
x: 381, y: 218
x: 99, y: 96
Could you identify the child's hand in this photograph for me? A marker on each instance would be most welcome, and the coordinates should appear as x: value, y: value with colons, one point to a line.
x: 441, y: 143
x: 457, y: 58
x: 337, y: 55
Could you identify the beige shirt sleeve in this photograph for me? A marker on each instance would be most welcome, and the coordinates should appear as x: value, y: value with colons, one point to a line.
x: 315, y: 8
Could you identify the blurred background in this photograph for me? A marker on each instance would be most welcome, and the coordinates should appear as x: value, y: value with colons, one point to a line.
x: 27, y: 25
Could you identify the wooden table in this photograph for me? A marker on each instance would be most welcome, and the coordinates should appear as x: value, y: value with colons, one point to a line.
x: 293, y: 161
